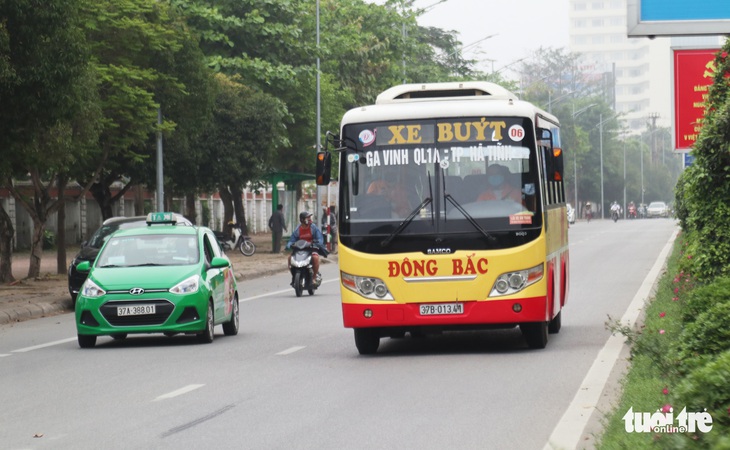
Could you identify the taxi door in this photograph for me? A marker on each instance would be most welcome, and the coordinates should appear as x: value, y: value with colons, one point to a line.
x: 217, y: 279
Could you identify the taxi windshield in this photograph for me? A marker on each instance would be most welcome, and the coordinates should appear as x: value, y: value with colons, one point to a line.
x: 149, y: 250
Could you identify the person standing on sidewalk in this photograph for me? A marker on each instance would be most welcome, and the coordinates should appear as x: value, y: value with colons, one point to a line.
x: 277, y: 225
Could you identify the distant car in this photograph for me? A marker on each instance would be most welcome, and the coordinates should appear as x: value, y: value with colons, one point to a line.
x: 657, y: 209
x: 571, y: 213
x: 157, y: 279
x: 89, y: 249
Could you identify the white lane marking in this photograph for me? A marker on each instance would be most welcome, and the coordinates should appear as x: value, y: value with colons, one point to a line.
x: 63, y: 341
x: 283, y: 291
x: 4, y: 354
x: 181, y: 391
x: 570, y: 428
x: 291, y: 350
x: 48, y: 344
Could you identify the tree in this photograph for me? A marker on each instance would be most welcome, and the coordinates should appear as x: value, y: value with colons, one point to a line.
x: 135, y: 44
x: 43, y: 65
x: 240, y: 141
x: 703, y: 193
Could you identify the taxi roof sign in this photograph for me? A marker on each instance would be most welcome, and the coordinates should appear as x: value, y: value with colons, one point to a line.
x: 161, y: 218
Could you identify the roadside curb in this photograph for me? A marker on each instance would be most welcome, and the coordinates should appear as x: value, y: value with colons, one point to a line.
x: 52, y: 305
x: 32, y: 310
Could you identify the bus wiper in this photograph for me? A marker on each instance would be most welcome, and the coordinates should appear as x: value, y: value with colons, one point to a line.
x: 468, y: 217
x: 427, y: 201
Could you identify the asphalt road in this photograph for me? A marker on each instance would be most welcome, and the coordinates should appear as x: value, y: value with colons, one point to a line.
x: 292, y: 379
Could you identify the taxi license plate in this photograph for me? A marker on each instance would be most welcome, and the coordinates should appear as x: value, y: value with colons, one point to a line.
x: 136, y: 310
x: 433, y: 309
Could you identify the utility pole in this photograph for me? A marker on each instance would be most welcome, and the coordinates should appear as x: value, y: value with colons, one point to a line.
x: 652, y: 128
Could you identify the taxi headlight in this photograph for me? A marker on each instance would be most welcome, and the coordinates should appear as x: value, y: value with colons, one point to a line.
x: 91, y: 289
x: 368, y: 287
x: 188, y: 286
x: 513, y: 282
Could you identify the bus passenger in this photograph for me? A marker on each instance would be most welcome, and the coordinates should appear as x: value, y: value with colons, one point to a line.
x: 498, y: 186
x: 390, y: 188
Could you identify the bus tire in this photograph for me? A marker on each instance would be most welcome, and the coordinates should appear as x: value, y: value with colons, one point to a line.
x: 367, y: 340
x: 555, y: 324
x: 535, y: 334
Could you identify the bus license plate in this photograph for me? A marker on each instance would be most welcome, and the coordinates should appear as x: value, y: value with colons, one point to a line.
x: 136, y: 310
x: 441, y: 308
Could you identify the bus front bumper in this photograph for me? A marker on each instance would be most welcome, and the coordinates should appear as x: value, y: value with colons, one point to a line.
x: 475, y: 313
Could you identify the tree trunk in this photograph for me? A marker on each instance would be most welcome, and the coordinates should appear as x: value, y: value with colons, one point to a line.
x: 190, y: 207
x: 6, y: 247
x: 227, y: 201
x: 139, y: 200
x: 61, y: 225
x: 36, y: 250
x: 237, y: 195
x: 103, y: 197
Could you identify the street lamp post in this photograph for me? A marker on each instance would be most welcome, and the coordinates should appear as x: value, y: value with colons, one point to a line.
x: 600, y: 137
x: 575, y: 158
x: 641, y: 156
x: 624, y: 178
x: 551, y: 101
x: 600, y: 134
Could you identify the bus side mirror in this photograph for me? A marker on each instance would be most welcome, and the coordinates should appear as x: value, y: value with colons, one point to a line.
x: 323, y: 168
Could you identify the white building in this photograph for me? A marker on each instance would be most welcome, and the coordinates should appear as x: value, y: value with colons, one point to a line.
x: 639, y: 67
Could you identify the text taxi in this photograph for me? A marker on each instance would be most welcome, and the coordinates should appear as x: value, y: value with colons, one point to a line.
x: 158, y: 279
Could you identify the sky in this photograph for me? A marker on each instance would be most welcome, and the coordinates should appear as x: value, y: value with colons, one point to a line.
x: 521, y: 27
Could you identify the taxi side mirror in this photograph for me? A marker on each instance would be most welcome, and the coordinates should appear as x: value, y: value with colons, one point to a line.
x: 219, y: 263
x: 84, y: 266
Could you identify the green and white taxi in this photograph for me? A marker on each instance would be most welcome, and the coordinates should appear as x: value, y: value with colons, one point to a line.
x: 159, y: 279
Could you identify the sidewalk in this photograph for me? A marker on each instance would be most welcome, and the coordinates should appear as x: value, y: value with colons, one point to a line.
x: 48, y: 294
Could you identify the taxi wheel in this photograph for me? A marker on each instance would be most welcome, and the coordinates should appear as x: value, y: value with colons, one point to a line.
x: 535, y: 334
x: 86, y: 341
x: 206, y: 337
x: 230, y: 328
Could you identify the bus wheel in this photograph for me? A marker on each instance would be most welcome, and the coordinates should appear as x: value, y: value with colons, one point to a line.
x: 555, y: 324
x: 367, y: 340
x: 535, y: 334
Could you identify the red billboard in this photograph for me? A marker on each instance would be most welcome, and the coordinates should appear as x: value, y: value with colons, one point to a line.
x: 693, y: 73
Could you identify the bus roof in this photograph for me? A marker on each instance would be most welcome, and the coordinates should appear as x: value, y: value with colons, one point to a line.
x: 433, y: 91
x: 453, y: 99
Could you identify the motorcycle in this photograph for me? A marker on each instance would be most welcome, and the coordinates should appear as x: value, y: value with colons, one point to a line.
x: 239, y: 241
x: 301, y: 267
x: 614, y: 215
x: 632, y: 212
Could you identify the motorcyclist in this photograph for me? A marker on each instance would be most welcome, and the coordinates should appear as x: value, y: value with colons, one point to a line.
x: 615, y: 207
x: 632, y: 210
x: 310, y: 233
x: 589, y: 211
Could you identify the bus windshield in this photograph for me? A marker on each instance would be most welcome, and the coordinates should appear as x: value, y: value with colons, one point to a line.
x: 440, y: 177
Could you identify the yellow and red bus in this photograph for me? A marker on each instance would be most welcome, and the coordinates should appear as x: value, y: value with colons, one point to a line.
x: 425, y: 245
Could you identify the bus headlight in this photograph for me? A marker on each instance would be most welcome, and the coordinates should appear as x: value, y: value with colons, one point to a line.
x: 512, y: 282
x: 368, y: 287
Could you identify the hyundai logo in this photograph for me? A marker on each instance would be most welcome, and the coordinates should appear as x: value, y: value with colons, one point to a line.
x: 136, y: 291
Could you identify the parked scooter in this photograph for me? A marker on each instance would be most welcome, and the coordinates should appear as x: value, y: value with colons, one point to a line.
x: 238, y: 240
x: 301, y: 267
